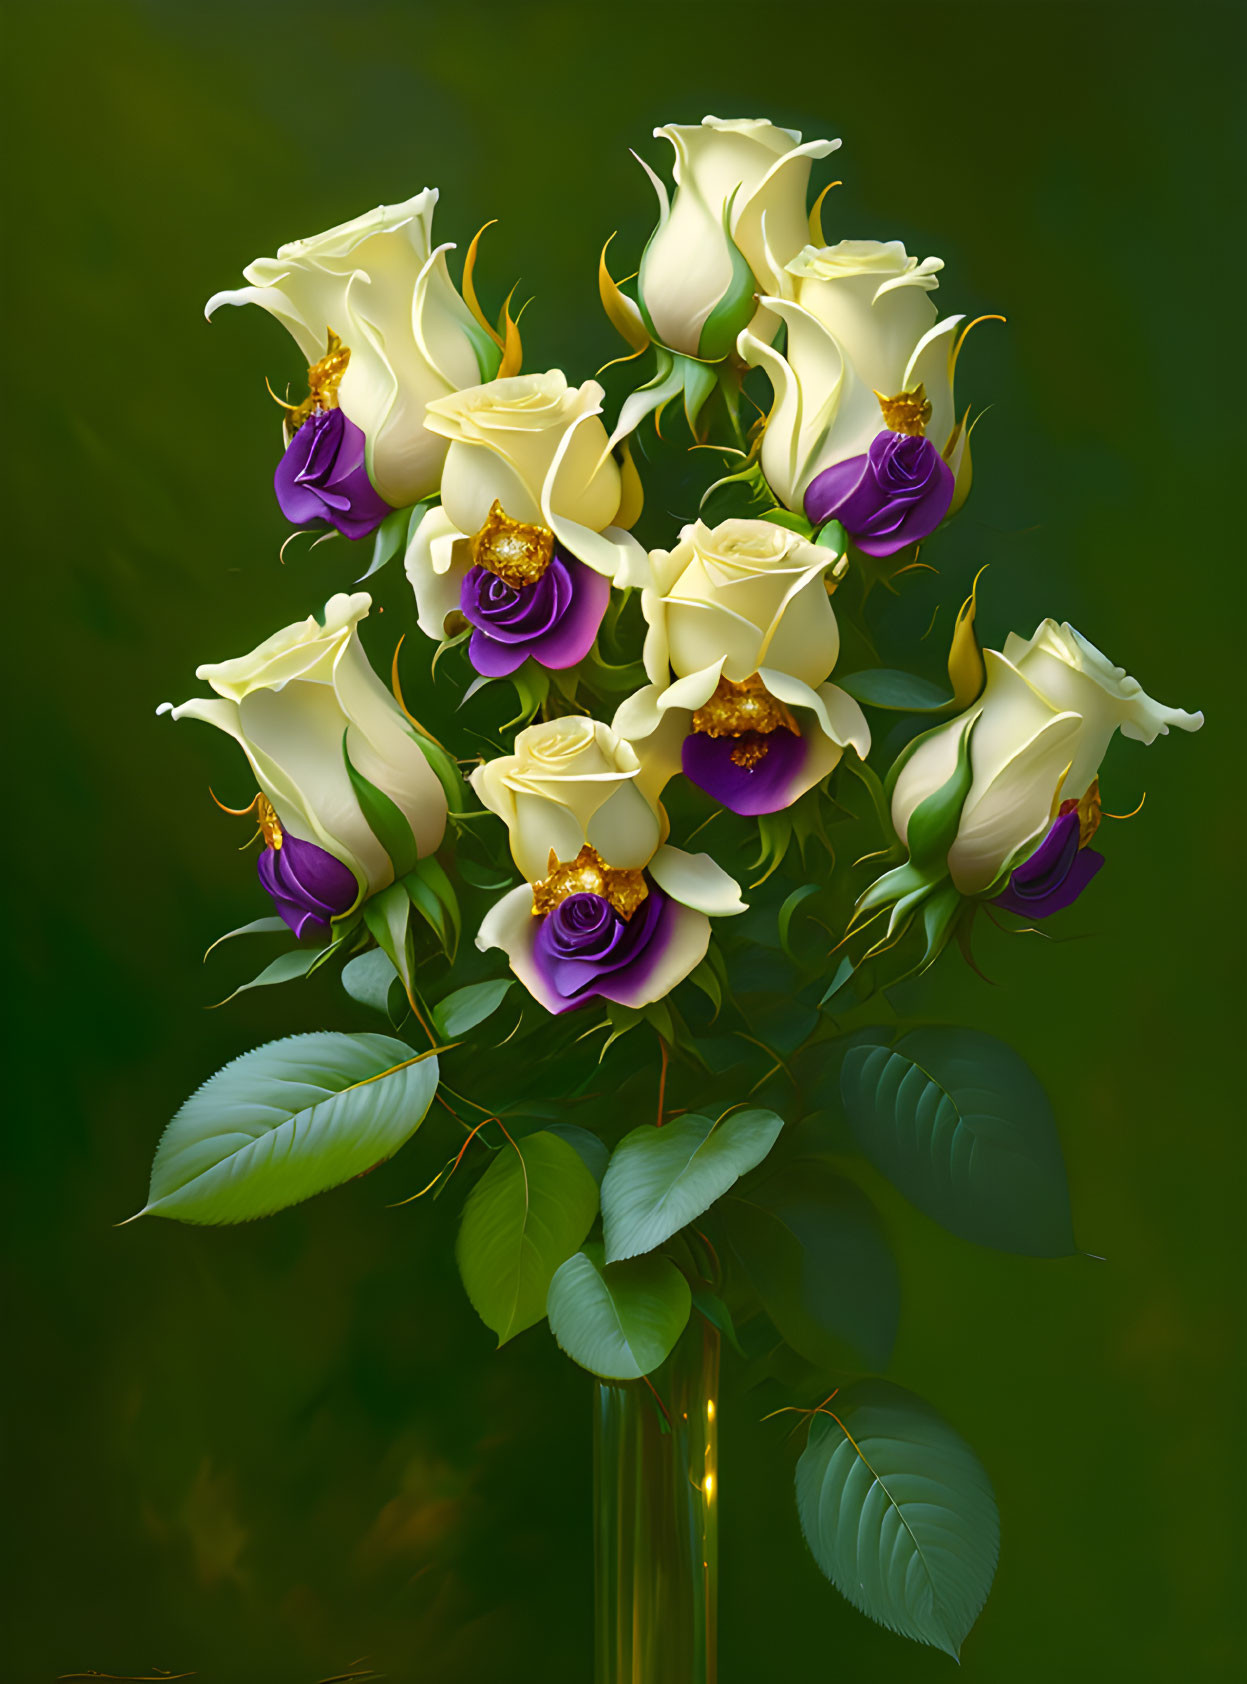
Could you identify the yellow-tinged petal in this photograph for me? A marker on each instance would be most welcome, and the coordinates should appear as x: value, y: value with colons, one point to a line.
x: 512, y: 345
x: 469, y: 291
x: 965, y: 656
x: 816, y: 215
x: 631, y: 491
x: 623, y: 314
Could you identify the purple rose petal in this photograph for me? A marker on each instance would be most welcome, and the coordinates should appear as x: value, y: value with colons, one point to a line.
x: 894, y: 495
x: 555, y: 619
x: 308, y: 884
x: 584, y: 949
x: 1055, y: 874
x: 322, y: 479
x: 765, y: 787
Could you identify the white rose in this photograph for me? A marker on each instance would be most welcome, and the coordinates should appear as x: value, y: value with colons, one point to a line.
x: 538, y: 447
x: 741, y: 615
x: 861, y: 326
x: 743, y: 595
x: 573, y: 784
x: 301, y: 702
x: 705, y: 262
x: 1043, y: 723
x: 570, y: 782
x: 379, y: 284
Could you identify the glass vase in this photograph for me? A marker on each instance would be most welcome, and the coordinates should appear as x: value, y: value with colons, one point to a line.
x: 656, y: 1498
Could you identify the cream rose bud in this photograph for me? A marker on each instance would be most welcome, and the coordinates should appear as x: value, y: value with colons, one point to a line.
x: 299, y: 705
x: 1041, y: 728
x: 738, y: 216
x: 382, y: 287
x: 861, y: 327
x: 743, y: 595
x: 572, y: 782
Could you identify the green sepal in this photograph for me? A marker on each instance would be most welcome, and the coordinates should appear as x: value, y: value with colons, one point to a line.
x: 735, y: 309
x: 434, y: 898
x: 388, y: 917
x: 383, y: 818
x: 394, y: 534
x: 446, y: 770
x: 486, y: 349
x: 742, y: 495
x: 832, y: 536
x: 700, y: 379
x: 789, y: 518
x: 934, y: 821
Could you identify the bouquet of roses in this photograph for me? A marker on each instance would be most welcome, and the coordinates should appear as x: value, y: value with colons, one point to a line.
x: 634, y: 840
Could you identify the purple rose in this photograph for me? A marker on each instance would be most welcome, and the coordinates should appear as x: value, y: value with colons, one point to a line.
x: 322, y: 480
x: 308, y: 885
x: 555, y: 619
x: 896, y: 494
x: 750, y: 774
x: 584, y: 949
x: 1055, y: 874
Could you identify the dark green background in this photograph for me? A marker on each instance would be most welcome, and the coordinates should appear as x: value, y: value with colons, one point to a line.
x: 261, y: 1454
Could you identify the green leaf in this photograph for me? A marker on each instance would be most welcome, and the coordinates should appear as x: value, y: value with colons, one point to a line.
x: 618, y: 1320
x: 393, y: 534
x: 594, y: 1151
x: 813, y: 1247
x: 388, y: 918
x: 383, y: 818
x: 716, y: 1312
x: 371, y: 979
x: 257, y: 927
x: 899, y: 1514
x: 959, y: 1123
x: 467, y: 1007
x: 787, y: 910
x: 526, y: 1215
x: 902, y: 692
x: 288, y: 1120
x: 661, y: 1178
x: 285, y: 968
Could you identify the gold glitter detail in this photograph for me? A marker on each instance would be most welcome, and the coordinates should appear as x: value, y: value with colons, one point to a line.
x: 739, y: 707
x: 270, y: 826
x: 749, y: 754
x: 588, y: 874
x: 517, y: 553
x: 907, y: 412
x: 1088, y: 810
x: 323, y: 379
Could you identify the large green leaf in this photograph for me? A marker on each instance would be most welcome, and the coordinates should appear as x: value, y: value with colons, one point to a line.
x: 619, y: 1320
x: 899, y: 1513
x: 526, y: 1215
x: 288, y: 1120
x: 467, y: 1007
x: 814, y: 1249
x: 661, y: 1178
x: 961, y: 1126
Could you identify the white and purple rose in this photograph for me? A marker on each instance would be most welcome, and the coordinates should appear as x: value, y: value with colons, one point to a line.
x: 1050, y: 708
x: 526, y: 543
x: 742, y: 639
x: 867, y: 364
x: 299, y: 706
x: 608, y: 910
